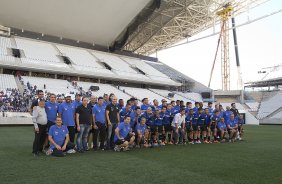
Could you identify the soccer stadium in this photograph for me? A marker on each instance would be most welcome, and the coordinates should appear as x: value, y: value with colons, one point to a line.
x: 86, y: 98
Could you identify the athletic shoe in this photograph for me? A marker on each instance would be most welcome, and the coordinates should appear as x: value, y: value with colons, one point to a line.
x: 35, y: 154
x: 71, y: 151
x: 206, y: 142
x: 199, y: 142
x: 216, y: 141
x: 117, y: 148
x: 222, y: 141
x: 170, y: 143
x: 162, y: 144
x: 80, y: 151
x: 49, y: 152
x: 192, y: 142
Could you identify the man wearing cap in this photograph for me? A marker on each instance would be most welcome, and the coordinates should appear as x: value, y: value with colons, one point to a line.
x: 67, y: 113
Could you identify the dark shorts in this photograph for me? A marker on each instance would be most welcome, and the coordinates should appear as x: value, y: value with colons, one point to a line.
x: 167, y: 128
x: 158, y: 129
x: 195, y: 127
x: 49, y: 124
x: 188, y: 129
x: 120, y: 141
x: 213, y: 127
x: 201, y: 127
x: 240, y: 128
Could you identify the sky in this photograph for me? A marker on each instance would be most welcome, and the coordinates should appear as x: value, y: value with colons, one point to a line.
x: 259, y: 43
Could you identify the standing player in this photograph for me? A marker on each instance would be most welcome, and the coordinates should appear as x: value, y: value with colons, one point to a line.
x: 125, y: 112
x: 77, y: 102
x: 158, y: 129
x: 135, y: 117
x: 178, y: 124
x: 188, y: 126
x: 39, y: 119
x: 67, y: 113
x: 213, y: 126
x: 167, y: 119
x: 201, y: 124
x: 99, y: 124
x: 51, y: 108
x: 112, y: 118
x: 83, y: 122
x: 145, y: 104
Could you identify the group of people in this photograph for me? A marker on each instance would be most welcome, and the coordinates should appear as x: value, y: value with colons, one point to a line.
x: 67, y: 126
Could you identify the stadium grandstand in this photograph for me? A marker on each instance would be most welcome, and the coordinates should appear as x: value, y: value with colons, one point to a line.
x: 70, y: 57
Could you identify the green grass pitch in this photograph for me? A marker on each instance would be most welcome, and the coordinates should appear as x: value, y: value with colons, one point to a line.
x: 258, y: 159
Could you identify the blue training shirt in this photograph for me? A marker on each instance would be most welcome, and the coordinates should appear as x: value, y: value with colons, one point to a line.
x: 58, y: 134
x: 124, y: 130
x: 67, y: 110
x: 99, y: 112
x: 51, y: 111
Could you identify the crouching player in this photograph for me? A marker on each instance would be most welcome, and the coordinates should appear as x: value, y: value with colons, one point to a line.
x: 222, y: 129
x: 142, y: 133
x: 232, y: 127
x: 124, y: 137
x: 59, y: 140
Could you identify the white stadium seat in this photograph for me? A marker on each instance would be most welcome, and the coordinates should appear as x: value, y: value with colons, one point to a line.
x: 7, y: 81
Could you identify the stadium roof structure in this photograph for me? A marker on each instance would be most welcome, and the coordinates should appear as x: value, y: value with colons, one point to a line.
x: 139, y: 26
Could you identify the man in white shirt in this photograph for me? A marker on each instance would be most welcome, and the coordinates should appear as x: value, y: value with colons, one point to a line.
x: 39, y: 118
x: 178, y: 124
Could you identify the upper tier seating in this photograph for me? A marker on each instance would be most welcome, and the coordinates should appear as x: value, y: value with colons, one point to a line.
x: 7, y: 81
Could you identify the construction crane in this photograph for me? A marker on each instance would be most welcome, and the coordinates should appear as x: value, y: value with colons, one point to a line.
x: 223, y: 39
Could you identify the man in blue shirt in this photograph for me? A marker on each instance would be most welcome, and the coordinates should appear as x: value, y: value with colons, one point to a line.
x: 210, y: 108
x: 158, y: 129
x: 164, y: 103
x: 77, y: 102
x: 51, y: 108
x: 135, y: 117
x: 167, y: 119
x: 197, y: 105
x: 188, y: 107
x: 121, y: 104
x: 195, y: 126
x: 232, y: 127
x: 222, y: 129
x: 188, y: 126
x: 214, y: 119
x: 227, y: 114
x: 67, y: 113
x: 155, y: 105
x: 58, y: 136
x: 142, y: 133
x: 125, y: 112
x: 124, y: 135
x: 176, y: 108
x: 99, y: 123
x: 201, y: 124
x: 145, y: 104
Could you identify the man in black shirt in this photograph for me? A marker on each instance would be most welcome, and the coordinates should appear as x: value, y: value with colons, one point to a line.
x: 112, y: 118
x: 83, y: 122
x: 234, y: 110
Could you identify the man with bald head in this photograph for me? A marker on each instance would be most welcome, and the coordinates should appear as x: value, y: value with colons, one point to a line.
x: 112, y: 118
